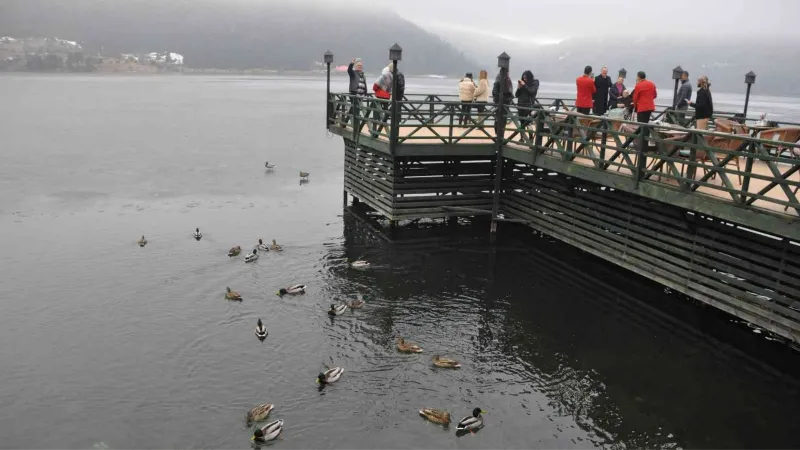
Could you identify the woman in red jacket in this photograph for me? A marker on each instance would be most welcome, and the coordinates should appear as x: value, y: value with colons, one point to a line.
x: 586, y: 89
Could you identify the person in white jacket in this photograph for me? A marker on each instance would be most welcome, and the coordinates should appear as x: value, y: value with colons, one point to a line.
x: 466, y: 93
x: 481, y: 96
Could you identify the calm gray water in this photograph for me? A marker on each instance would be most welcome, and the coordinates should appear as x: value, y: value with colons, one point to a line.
x: 106, y: 344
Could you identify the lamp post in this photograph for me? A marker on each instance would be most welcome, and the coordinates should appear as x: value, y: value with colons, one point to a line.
x: 500, y: 126
x: 750, y: 80
x: 623, y: 73
x: 676, y: 75
x: 395, y: 54
x: 329, y: 111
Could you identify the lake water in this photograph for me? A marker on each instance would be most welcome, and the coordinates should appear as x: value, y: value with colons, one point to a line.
x: 105, y: 344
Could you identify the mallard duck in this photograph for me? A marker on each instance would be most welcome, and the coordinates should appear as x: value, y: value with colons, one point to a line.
x: 275, y: 247
x: 471, y: 423
x: 330, y: 376
x: 357, y: 303
x: 232, y: 295
x: 269, y: 166
x: 268, y: 432
x: 142, y: 242
x: 251, y: 256
x: 337, y: 310
x: 197, y: 234
x: 262, y: 246
x: 407, y: 347
x: 439, y: 416
x: 304, y: 175
x: 260, y: 413
x: 446, y: 363
x: 234, y: 251
x: 359, y: 264
x: 261, y: 330
x: 295, y: 289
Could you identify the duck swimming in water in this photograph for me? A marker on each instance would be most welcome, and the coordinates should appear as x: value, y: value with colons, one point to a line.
x: 232, y: 295
x: 437, y: 416
x: 262, y: 246
x: 445, y: 363
x: 197, y: 234
x: 268, y: 432
x: 471, y: 423
x: 251, y: 256
x: 234, y: 251
x: 304, y: 175
x: 259, y: 413
x: 295, y: 289
x: 275, y: 247
x: 360, y: 264
x: 269, y: 166
x: 407, y: 347
x: 330, y: 376
x: 337, y: 310
x: 261, y: 330
x: 142, y: 242
x: 357, y: 303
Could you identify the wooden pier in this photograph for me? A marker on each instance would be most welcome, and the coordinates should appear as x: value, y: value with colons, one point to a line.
x: 712, y: 214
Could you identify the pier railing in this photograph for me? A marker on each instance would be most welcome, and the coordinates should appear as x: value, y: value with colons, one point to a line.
x: 751, y: 168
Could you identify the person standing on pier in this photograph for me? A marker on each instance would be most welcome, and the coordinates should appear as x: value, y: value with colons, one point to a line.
x: 482, y: 92
x: 508, y: 98
x: 683, y: 97
x: 383, y: 91
x: 704, y: 104
x: 615, y: 93
x: 644, y: 98
x: 603, y: 86
x: 466, y: 93
x: 586, y: 90
x: 527, y: 88
x: 358, y: 84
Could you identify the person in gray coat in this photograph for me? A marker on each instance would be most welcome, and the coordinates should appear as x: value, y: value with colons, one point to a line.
x: 683, y: 97
x: 358, y: 85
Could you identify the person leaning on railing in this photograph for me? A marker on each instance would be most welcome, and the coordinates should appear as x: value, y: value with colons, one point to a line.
x: 704, y: 104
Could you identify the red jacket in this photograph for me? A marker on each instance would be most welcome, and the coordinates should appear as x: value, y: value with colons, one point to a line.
x: 644, y: 96
x: 380, y: 93
x: 586, y: 90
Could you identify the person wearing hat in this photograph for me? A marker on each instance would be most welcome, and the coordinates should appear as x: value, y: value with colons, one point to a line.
x: 466, y: 93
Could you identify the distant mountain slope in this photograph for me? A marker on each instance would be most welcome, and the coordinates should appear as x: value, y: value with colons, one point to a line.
x: 235, y: 33
x: 724, y: 59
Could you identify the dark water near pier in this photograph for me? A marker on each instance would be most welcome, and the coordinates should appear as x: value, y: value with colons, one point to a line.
x: 103, y: 343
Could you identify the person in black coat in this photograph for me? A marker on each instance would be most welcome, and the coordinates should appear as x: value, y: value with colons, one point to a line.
x: 527, y: 88
x: 603, y: 84
x: 704, y: 104
x: 508, y: 98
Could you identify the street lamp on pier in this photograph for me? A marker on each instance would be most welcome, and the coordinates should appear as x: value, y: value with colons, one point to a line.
x: 750, y: 80
x: 395, y: 55
x: 328, y: 57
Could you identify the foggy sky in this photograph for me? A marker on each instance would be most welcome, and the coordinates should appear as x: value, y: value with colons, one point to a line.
x: 543, y: 21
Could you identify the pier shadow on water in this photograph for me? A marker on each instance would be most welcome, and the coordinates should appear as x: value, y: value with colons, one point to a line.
x: 565, y: 345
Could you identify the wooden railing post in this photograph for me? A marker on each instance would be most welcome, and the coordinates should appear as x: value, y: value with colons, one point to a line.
x: 691, y: 171
x: 748, y: 169
x: 500, y: 127
x: 641, y: 155
x: 537, y: 142
x: 356, y: 102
